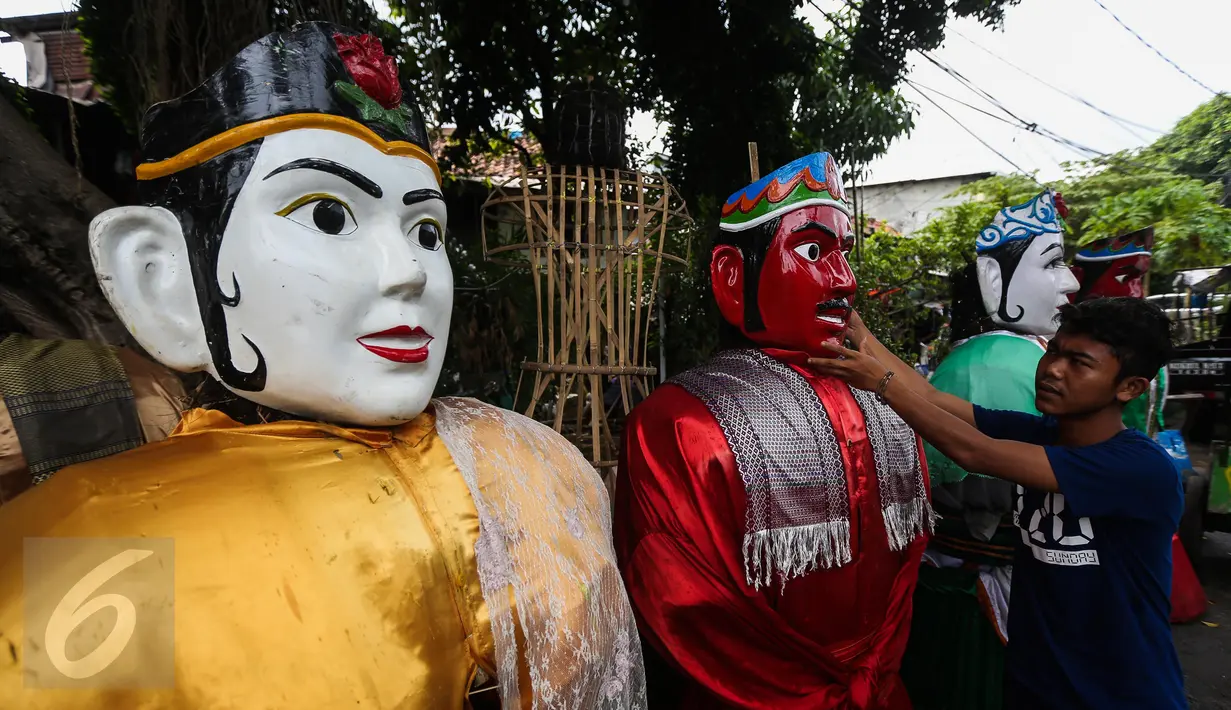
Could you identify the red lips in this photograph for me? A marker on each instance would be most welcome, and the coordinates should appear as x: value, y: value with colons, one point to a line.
x: 418, y: 354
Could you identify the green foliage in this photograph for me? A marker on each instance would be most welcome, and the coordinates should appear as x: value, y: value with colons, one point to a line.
x: 719, y: 74
x: 888, y: 30
x: 910, y: 274
x: 1190, y: 228
x: 15, y: 94
x: 904, y: 280
x: 1110, y: 196
x: 1200, y: 144
x: 484, y: 66
x: 692, y: 317
x: 1172, y: 184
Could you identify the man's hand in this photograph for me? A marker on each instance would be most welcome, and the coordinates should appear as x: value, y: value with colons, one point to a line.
x: 856, y: 331
x: 857, y: 369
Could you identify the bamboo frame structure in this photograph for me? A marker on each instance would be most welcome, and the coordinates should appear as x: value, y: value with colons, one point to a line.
x: 596, y: 242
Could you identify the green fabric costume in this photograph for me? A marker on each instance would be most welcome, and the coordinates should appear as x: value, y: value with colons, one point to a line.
x: 1137, y: 411
x: 993, y: 370
x: 955, y: 658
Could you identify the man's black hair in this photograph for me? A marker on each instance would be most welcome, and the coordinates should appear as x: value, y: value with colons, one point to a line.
x: 753, y: 245
x: 1138, y: 332
x: 967, y: 312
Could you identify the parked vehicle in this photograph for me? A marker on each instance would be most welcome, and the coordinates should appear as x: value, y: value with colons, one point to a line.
x: 1200, y: 376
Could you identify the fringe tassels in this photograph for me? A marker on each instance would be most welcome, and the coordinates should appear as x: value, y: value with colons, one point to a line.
x: 906, y: 521
x: 793, y: 552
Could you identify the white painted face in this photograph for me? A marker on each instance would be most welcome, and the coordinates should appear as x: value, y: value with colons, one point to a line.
x: 1038, y: 287
x: 344, y: 283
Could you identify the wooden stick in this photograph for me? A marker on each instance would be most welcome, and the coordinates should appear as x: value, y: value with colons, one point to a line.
x: 552, y: 236
x: 754, y: 165
x: 534, y: 255
x: 596, y: 391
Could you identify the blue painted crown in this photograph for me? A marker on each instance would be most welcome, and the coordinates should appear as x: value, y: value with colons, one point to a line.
x: 1024, y: 221
x: 1136, y: 243
x: 811, y: 180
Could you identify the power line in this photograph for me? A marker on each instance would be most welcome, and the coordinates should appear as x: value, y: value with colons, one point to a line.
x: 1119, y: 120
x: 974, y: 135
x: 1084, y: 151
x: 1164, y: 57
x: 921, y: 88
x: 833, y: 20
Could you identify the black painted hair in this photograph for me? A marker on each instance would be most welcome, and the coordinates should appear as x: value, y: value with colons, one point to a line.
x: 753, y: 244
x: 202, y: 198
x: 1091, y: 271
x: 1139, y: 333
x: 968, y: 316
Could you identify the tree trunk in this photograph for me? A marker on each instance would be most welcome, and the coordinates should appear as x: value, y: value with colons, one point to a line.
x: 47, y: 282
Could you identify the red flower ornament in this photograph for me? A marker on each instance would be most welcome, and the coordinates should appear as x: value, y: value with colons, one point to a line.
x: 1061, y: 208
x: 374, y: 72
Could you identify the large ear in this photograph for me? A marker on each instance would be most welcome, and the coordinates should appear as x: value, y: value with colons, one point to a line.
x: 990, y: 284
x: 142, y: 263
x: 1131, y: 388
x: 727, y: 281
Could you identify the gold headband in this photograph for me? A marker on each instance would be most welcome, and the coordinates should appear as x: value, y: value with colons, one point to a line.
x: 234, y: 138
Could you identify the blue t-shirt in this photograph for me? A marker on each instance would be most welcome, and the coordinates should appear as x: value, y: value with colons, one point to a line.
x: 1090, y: 606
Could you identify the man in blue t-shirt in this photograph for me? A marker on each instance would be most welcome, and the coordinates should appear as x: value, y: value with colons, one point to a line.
x: 1097, y: 505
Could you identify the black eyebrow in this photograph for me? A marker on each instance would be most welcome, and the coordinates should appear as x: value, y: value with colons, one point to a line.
x: 1050, y: 247
x: 815, y: 225
x: 416, y: 196
x: 1074, y: 354
x: 328, y: 166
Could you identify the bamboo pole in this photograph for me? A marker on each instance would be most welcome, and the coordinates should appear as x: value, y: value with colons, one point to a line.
x: 599, y: 293
x: 640, y: 233
x: 551, y: 271
x: 596, y: 398
x: 534, y: 254
x: 754, y: 163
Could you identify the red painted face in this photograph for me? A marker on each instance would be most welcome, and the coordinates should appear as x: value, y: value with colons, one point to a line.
x: 805, y: 287
x: 1122, y: 278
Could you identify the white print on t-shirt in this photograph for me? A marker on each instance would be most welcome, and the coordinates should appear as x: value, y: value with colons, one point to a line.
x: 1052, y: 533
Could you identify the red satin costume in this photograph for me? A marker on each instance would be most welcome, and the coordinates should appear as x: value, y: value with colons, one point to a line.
x: 833, y: 638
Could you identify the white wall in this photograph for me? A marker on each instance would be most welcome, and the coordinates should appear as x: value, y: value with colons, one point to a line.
x: 907, y: 206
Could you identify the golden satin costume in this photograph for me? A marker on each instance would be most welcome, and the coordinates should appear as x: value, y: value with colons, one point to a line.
x: 326, y: 567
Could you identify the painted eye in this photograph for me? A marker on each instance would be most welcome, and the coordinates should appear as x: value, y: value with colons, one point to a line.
x: 427, y: 234
x: 322, y: 213
x: 810, y: 251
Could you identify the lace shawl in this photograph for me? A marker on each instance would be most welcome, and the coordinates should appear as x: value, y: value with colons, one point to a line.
x: 545, y: 536
x: 790, y: 461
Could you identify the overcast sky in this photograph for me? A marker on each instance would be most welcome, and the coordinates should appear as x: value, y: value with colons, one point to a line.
x: 1073, y: 45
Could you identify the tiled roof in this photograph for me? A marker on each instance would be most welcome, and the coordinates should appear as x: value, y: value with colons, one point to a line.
x: 494, y: 167
x: 66, y: 54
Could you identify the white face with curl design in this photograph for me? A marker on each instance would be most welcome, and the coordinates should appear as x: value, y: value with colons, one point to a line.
x: 345, y: 285
x: 1038, y: 287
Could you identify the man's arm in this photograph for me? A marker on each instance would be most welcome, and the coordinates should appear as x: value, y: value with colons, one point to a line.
x: 954, y: 436
x: 1023, y: 464
x: 869, y: 345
